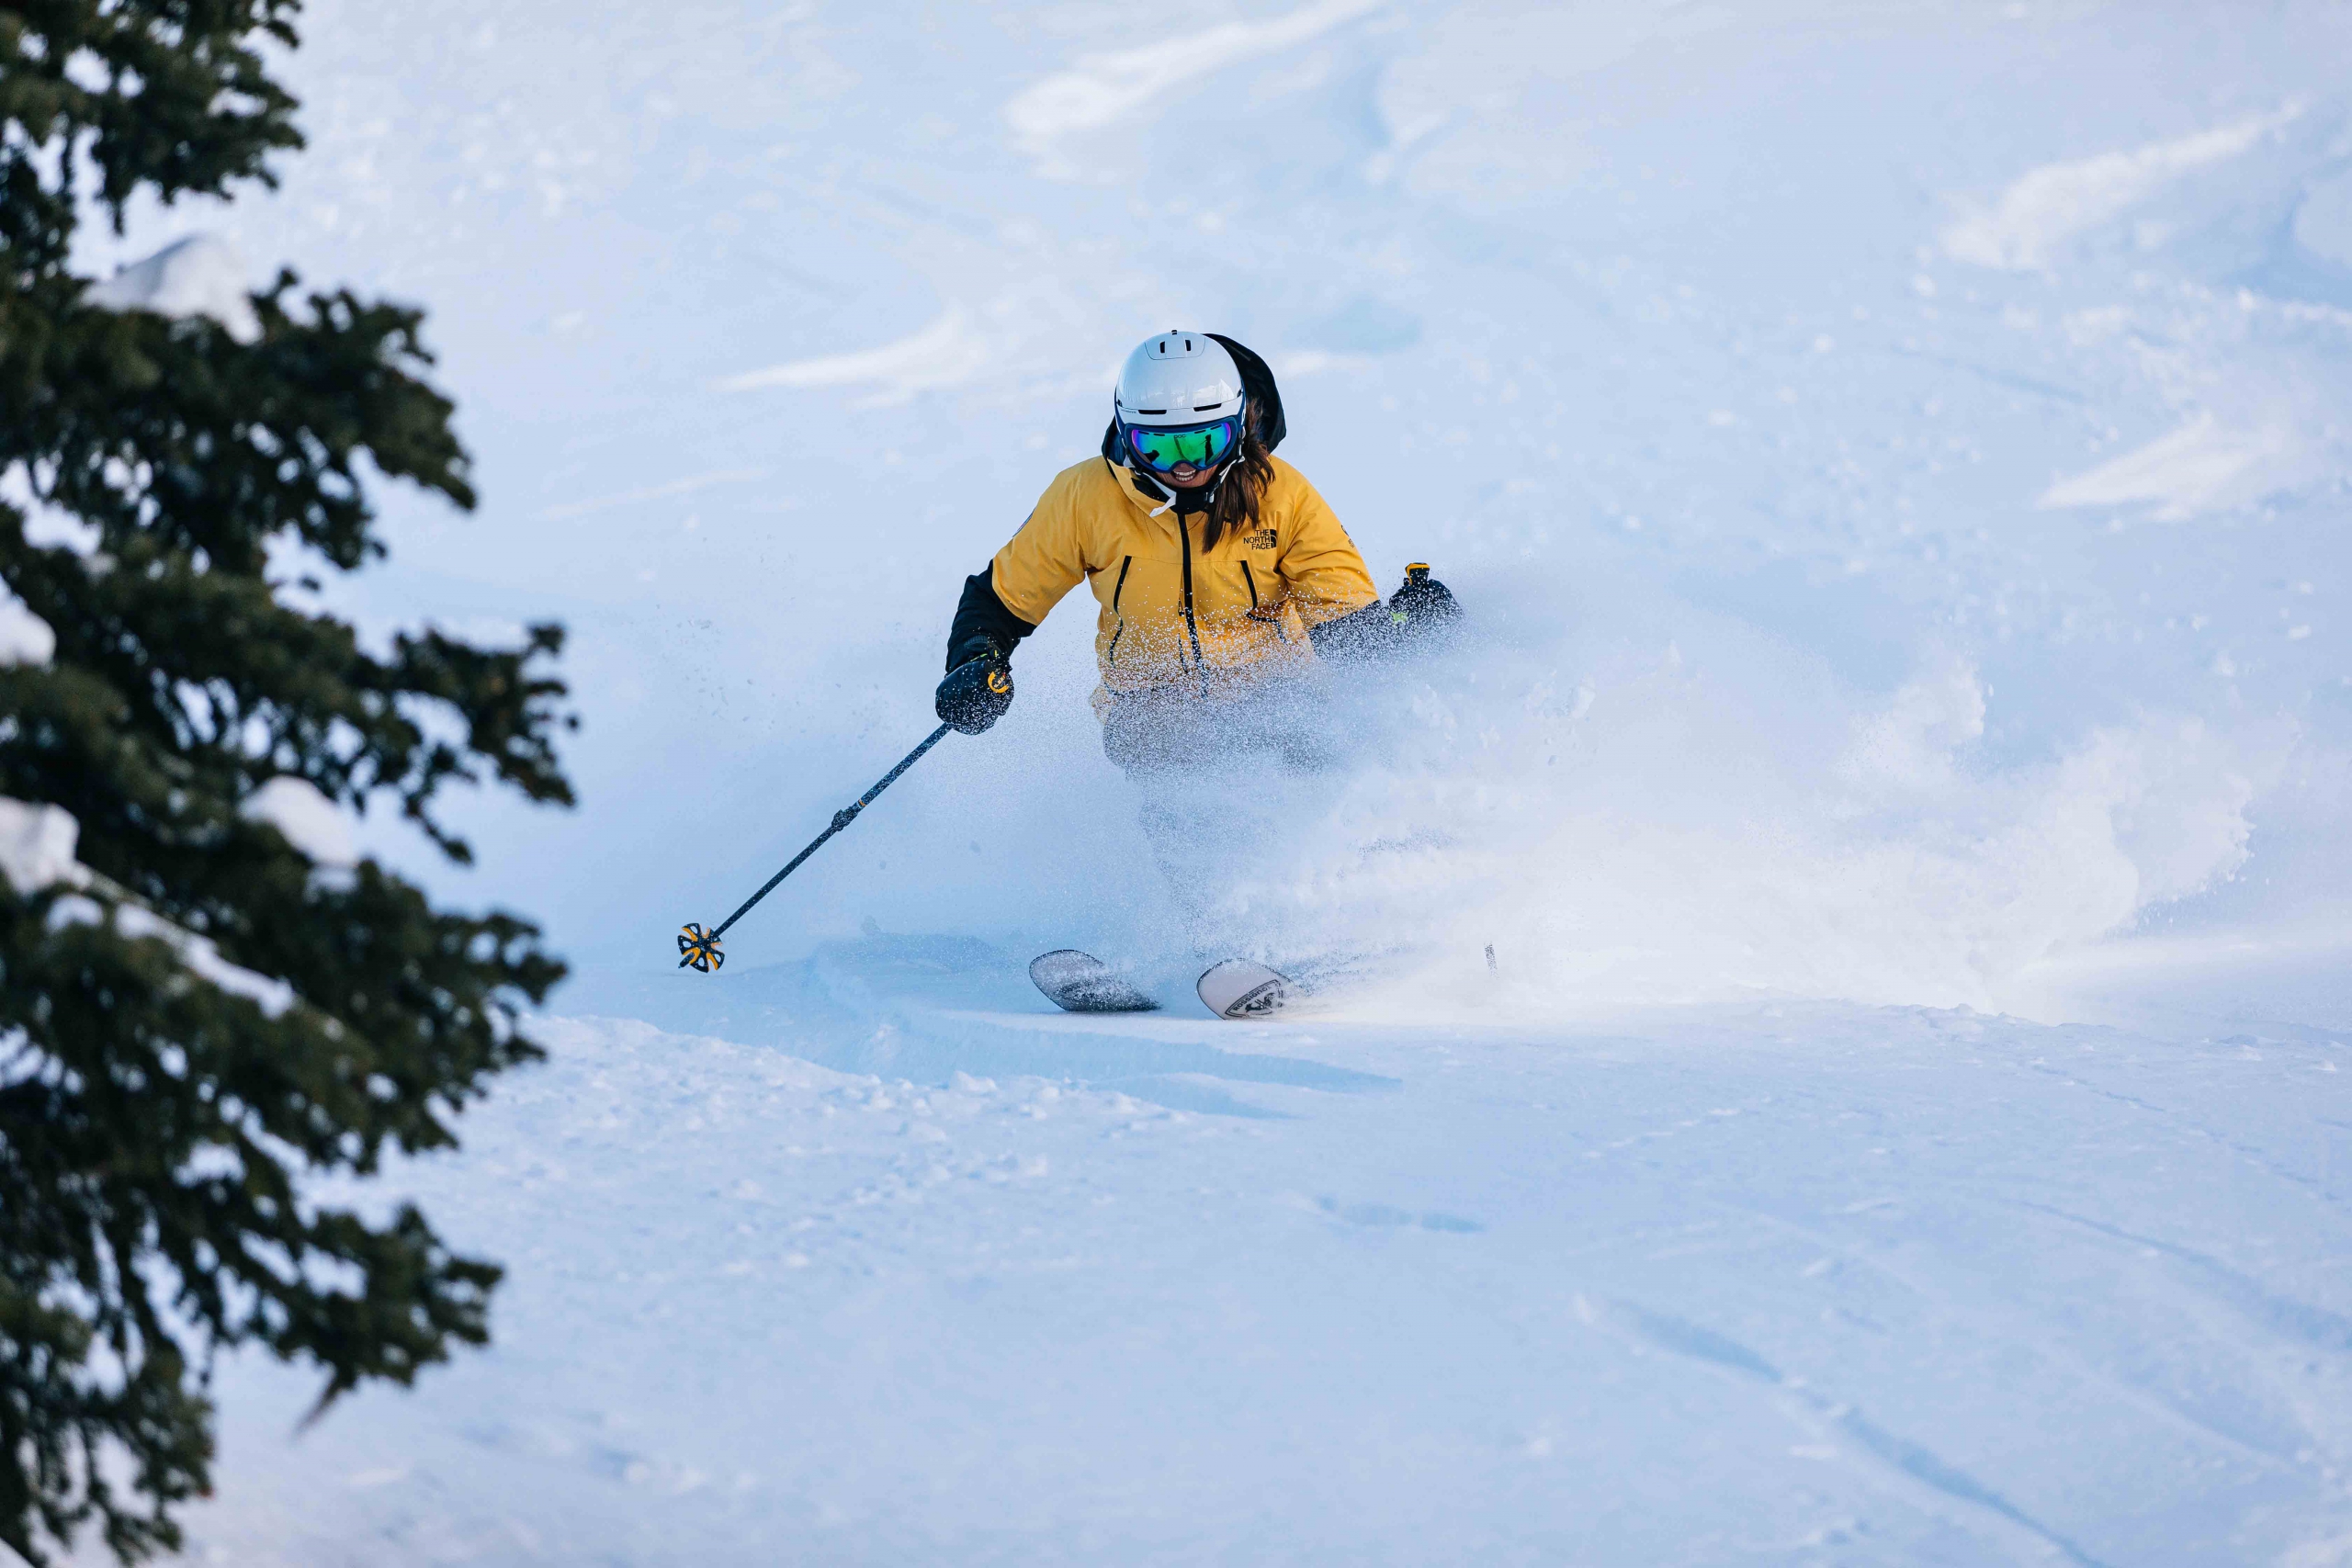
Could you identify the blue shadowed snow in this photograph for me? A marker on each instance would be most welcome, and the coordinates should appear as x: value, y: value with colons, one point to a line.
x: 1895, y: 457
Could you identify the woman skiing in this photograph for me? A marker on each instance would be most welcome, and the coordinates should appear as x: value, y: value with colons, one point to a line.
x: 1218, y: 572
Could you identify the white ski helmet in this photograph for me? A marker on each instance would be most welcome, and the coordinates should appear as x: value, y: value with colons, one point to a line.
x: 1178, y: 377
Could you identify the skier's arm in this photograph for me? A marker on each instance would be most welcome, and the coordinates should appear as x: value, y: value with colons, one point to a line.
x: 1042, y: 562
x: 1320, y: 565
x: 1344, y: 616
x: 1004, y: 601
x: 1003, y: 604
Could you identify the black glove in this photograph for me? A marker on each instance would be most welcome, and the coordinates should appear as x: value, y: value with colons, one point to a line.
x: 1423, y: 609
x: 1418, y: 618
x: 979, y: 687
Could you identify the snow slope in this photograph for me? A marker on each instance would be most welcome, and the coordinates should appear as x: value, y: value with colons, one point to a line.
x: 1895, y: 455
x: 1788, y: 1284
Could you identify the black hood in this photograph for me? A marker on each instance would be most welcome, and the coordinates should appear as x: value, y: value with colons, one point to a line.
x: 1257, y: 385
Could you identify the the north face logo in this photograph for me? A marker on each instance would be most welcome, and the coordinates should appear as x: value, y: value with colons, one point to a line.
x: 1261, y: 540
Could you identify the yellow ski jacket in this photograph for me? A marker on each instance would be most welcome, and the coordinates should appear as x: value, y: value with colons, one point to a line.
x: 1170, y: 614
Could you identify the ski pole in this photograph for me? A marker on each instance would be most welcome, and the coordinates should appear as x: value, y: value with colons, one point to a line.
x: 699, y: 948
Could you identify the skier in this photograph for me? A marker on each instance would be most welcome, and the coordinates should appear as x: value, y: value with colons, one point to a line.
x: 1220, y: 576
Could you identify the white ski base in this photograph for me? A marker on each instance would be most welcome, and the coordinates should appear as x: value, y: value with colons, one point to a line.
x: 1080, y: 982
x: 1238, y: 988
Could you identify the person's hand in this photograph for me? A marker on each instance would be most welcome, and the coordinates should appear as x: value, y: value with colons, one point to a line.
x: 1419, y: 611
x: 978, y: 689
x: 1418, y: 618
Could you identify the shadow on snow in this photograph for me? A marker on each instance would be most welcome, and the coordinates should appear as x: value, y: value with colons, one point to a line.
x: 924, y: 1007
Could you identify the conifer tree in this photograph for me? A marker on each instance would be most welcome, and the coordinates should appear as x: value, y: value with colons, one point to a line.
x: 197, y: 1020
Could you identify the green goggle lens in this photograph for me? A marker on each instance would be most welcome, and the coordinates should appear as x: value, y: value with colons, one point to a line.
x: 1202, y: 445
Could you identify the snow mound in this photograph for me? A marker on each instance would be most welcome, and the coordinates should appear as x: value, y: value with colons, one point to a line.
x: 309, y: 821
x: 24, y: 638
x: 36, y: 844
x: 200, y: 275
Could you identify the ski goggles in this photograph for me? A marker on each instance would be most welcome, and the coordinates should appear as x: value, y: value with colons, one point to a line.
x: 1203, y: 446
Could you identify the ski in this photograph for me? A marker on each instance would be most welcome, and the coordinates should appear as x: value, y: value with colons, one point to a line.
x: 1080, y: 982
x: 1239, y: 988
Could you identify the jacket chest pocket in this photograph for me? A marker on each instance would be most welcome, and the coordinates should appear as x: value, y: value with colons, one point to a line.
x: 1142, y: 599
x: 1266, y: 594
x: 1235, y: 583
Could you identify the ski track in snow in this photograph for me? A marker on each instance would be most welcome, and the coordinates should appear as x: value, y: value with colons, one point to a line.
x: 1892, y: 455
x: 2048, y: 206
x: 1102, y: 90
x: 2183, y: 472
x: 947, y: 353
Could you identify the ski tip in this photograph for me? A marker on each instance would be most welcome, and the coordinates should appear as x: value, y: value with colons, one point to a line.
x: 1080, y: 982
x: 1241, y: 988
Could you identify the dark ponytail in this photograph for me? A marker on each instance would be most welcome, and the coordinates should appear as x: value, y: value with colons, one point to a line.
x: 1242, y: 489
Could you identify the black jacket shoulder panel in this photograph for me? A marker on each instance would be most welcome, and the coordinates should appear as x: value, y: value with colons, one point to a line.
x: 981, y: 614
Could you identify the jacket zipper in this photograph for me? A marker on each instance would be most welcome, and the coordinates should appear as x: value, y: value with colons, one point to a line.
x: 1121, y: 629
x: 1253, y: 585
x: 1192, y: 627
